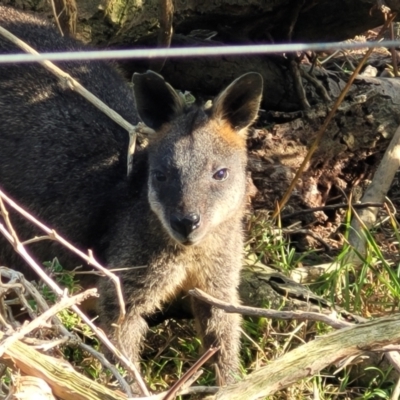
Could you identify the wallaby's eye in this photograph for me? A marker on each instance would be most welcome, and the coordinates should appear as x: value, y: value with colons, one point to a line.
x: 221, y: 174
x: 159, y: 176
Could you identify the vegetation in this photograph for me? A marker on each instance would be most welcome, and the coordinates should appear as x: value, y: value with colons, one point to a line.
x: 371, y: 291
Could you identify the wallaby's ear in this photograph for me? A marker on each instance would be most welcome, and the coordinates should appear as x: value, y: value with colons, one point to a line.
x: 239, y: 103
x: 156, y: 100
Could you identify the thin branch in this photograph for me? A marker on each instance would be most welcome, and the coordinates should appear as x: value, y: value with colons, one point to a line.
x: 329, y: 208
x: 30, y: 290
x: 71, y: 83
x: 56, y: 237
x: 20, y: 249
x: 261, y: 312
x: 166, y: 16
x: 328, y: 119
x: 64, y: 302
x: 190, y: 373
x: 53, y: 7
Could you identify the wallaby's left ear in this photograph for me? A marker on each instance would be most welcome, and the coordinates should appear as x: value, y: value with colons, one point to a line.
x: 239, y: 103
x: 156, y: 101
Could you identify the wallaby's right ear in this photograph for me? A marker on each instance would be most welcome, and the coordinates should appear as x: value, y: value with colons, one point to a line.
x: 156, y: 100
x: 239, y: 103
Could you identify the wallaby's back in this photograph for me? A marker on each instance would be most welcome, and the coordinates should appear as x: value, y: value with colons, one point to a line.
x: 60, y: 156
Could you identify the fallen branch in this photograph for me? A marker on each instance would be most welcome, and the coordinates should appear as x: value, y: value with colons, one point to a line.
x: 64, y: 381
x: 261, y: 312
x: 310, y: 358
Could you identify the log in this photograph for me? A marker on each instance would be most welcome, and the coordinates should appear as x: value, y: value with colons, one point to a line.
x: 65, y: 382
x: 310, y: 358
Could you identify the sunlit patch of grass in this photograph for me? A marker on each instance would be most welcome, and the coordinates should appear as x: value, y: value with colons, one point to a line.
x: 370, y: 289
x: 269, y: 244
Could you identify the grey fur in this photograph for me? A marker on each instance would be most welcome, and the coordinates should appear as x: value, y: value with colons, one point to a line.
x: 65, y: 161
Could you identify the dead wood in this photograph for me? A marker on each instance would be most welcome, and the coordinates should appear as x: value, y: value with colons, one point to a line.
x: 311, y: 358
x: 331, y: 320
x: 376, y: 192
x: 65, y: 15
x: 321, y: 131
x: 11, y: 236
x: 64, y: 381
x: 165, y: 31
x: 30, y: 387
x: 65, y: 302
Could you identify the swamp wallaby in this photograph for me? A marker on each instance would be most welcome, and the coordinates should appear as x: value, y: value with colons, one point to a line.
x: 180, y: 211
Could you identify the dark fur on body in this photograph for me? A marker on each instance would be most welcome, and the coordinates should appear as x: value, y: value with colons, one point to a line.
x: 60, y: 156
x: 179, y: 213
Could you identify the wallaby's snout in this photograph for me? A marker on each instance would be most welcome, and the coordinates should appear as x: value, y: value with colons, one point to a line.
x: 185, y: 225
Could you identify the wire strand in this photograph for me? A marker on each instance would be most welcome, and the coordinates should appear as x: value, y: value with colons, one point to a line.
x: 191, y: 51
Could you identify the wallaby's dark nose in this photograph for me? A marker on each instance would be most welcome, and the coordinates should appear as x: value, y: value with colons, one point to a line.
x: 185, y: 225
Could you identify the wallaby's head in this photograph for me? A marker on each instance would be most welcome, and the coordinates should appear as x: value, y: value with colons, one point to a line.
x: 198, y: 157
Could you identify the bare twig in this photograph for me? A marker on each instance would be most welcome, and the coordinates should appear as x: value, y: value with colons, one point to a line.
x: 55, y: 14
x: 318, y: 85
x: 65, y: 14
x: 68, y: 81
x: 189, y: 374
x: 64, y: 302
x: 69, y: 337
x: 297, y: 82
x: 261, y: 312
x: 55, y: 236
x: 328, y: 119
x: 165, y: 32
x: 330, y: 207
x: 26, y: 256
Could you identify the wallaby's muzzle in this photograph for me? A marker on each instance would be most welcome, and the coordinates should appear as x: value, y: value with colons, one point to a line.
x: 184, y: 226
